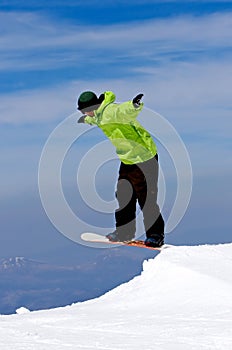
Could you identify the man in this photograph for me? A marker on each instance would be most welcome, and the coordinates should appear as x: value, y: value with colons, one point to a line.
x: 139, y: 163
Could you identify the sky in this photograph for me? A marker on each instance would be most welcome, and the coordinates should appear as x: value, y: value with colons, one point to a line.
x: 177, y: 53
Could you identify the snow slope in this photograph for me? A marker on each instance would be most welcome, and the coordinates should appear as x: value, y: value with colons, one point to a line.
x: 182, y: 300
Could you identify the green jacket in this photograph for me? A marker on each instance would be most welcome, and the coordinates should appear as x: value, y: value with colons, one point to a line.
x: 118, y: 122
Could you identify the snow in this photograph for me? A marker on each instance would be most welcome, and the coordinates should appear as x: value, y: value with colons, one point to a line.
x: 22, y: 310
x: 181, y: 300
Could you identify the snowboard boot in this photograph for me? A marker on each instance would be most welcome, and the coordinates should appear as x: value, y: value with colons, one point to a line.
x: 116, y: 237
x: 154, y: 242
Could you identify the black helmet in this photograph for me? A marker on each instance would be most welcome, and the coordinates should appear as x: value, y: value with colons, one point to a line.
x: 88, y: 101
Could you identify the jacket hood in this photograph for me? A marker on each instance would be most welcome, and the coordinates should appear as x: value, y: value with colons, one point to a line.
x: 109, y: 97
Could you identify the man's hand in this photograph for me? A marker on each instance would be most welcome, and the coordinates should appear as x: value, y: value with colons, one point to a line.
x: 81, y: 119
x: 136, y: 100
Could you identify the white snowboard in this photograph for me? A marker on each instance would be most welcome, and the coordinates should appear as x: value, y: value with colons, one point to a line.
x: 96, y: 238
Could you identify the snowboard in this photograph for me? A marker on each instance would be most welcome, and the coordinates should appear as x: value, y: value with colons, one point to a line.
x: 96, y: 238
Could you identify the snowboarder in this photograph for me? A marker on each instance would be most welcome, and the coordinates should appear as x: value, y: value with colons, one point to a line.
x: 139, y: 163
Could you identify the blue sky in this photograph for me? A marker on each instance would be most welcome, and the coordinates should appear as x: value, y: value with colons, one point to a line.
x: 178, y: 53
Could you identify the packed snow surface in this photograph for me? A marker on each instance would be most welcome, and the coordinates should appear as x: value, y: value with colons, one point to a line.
x: 182, y: 300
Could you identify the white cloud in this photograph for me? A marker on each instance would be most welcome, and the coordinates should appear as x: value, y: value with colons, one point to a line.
x: 36, y: 105
x: 193, y: 93
x: 29, y: 41
x: 194, y: 96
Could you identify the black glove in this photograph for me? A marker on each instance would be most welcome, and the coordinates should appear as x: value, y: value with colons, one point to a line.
x: 81, y: 119
x: 136, y: 100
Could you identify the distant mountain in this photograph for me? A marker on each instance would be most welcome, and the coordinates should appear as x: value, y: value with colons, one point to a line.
x: 36, y: 285
x: 20, y: 263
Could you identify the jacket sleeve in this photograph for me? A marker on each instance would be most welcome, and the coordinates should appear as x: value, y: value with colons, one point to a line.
x: 90, y: 120
x: 128, y: 109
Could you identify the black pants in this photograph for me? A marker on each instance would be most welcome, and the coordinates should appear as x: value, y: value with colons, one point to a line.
x: 138, y: 182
